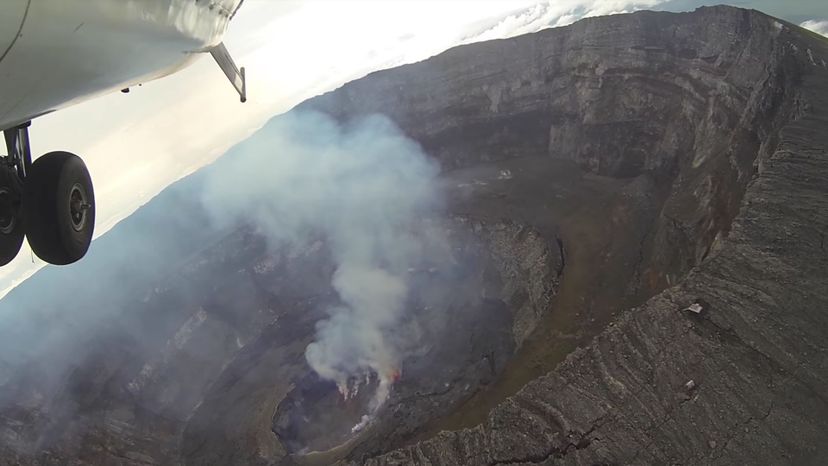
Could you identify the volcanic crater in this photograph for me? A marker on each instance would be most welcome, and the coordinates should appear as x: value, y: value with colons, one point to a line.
x: 598, y: 179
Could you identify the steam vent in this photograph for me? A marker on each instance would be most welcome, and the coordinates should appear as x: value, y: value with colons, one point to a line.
x: 610, y: 248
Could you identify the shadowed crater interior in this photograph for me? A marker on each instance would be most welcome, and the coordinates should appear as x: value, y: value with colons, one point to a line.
x: 456, y: 339
x: 315, y: 416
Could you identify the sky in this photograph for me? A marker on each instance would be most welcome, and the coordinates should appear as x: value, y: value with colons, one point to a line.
x: 136, y: 144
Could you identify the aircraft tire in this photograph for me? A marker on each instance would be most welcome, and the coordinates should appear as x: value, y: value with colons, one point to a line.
x: 11, y: 220
x: 59, y: 208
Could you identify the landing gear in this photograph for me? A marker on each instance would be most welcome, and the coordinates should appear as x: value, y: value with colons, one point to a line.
x: 51, y: 201
x: 59, y: 208
x: 11, y: 220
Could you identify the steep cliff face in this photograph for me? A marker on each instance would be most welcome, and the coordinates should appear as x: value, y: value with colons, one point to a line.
x: 598, y: 179
x: 743, y: 381
x: 688, y: 100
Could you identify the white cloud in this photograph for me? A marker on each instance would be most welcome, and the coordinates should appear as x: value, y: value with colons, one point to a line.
x: 818, y: 26
x: 557, y: 13
x: 137, y: 144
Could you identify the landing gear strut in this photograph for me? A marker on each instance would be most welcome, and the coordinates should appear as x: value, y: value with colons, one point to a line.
x: 50, y: 201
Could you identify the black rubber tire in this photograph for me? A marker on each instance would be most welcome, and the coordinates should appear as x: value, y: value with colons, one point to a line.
x: 11, y: 219
x: 47, y: 208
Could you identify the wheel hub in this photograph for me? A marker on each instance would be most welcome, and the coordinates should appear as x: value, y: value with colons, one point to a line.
x: 7, y: 217
x: 78, y: 206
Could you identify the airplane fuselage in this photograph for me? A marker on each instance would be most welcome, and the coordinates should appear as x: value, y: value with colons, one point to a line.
x: 54, y: 53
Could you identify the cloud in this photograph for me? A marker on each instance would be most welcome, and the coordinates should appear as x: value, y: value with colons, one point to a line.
x: 554, y: 13
x: 818, y: 26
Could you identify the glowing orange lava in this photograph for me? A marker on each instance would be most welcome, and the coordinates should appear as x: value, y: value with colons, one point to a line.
x: 395, y: 375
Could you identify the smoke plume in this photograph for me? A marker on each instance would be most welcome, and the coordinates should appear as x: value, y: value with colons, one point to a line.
x: 366, y: 188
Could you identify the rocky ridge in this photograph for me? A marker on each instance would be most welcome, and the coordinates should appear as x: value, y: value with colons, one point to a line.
x: 743, y: 381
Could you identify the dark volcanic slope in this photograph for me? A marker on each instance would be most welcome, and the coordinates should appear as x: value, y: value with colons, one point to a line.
x: 600, y: 178
x: 718, y: 98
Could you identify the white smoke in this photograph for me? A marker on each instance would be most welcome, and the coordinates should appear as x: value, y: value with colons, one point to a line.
x: 366, y: 188
x: 354, y: 338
